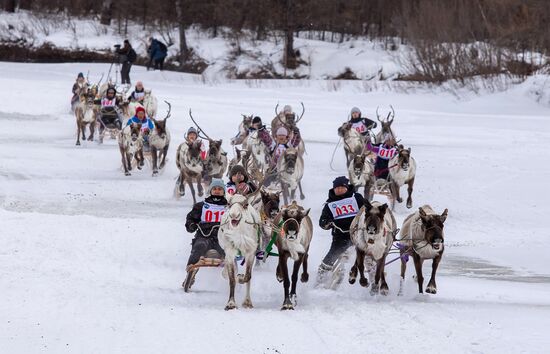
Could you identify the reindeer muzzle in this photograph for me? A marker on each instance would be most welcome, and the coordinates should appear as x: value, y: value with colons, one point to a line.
x: 291, y: 235
x: 235, y: 222
x: 405, y: 166
x: 290, y: 170
x: 437, y: 245
x: 134, y: 137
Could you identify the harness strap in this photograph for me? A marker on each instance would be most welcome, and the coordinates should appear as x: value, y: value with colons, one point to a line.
x: 269, y: 246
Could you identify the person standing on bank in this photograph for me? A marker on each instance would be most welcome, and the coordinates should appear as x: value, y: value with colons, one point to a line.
x: 126, y: 56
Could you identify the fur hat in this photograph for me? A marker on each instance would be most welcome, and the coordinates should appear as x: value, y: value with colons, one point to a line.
x: 80, y: 75
x: 257, y: 120
x: 216, y: 182
x: 341, y: 181
x: 355, y: 110
x: 140, y: 109
x: 282, y: 131
x: 287, y: 109
x: 192, y: 130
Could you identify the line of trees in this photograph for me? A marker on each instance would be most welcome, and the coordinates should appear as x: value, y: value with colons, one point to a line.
x: 519, y: 25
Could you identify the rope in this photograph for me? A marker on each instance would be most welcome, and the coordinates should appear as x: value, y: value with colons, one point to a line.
x: 334, y: 153
x: 379, y: 172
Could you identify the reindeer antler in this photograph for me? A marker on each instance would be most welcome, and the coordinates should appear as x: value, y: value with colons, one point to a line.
x: 303, y: 111
x: 377, y: 114
x: 169, y: 110
x: 392, y: 113
x: 277, y: 106
x: 199, y: 128
x: 100, y: 79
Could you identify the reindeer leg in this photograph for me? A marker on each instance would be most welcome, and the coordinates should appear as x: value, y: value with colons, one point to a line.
x: 418, y: 267
x: 164, y: 153
x: 154, y: 158
x: 199, y: 186
x: 302, y: 196
x: 284, y: 187
x: 353, y: 271
x: 124, y: 162
x: 78, y: 127
x: 305, y: 276
x: 247, y: 303
x: 278, y: 273
x: 230, y: 267
x: 432, y: 287
x: 403, y: 271
x: 395, y: 191
x: 361, y: 266
x: 287, y: 304
x: 181, y: 186
x: 141, y: 158
x: 384, y: 289
x: 192, y: 188
x: 410, y: 184
x: 375, y: 288
x: 295, y: 271
x: 92, y: 131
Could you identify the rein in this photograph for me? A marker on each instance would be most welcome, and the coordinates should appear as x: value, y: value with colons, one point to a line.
x: 379, y: 172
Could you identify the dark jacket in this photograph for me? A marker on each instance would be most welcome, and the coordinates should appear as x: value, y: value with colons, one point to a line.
x: 193, y: 220
x: 231, y: 188
x: 369, y: 124
x: 157, y: 50
x: 327, y: 216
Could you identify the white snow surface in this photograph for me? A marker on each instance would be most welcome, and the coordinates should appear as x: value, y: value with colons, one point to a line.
x: 92, y: 261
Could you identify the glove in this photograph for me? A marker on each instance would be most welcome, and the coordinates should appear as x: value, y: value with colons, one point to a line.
x: 243, y: 188
x: 192, y: 227
x: 327, y: 226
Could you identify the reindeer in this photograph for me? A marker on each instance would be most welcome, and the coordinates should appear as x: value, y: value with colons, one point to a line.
x: 130, y: 143
x: 240, y: 138
x: 422, y: 237
x: 238, y: 234
x: 188, y: 161
x: 216, y: 160
x: 385, y: 126
x: 361, y: 173
x: 353, y: 141
x: 86, y: 113
x: 402, y: 169
x: 296, y: 232
x: 290, y: 122
x: 150, y: 104
x: 290, y: 169
x: 159, y: 141
x: 81, y: 90
x: 372, y: 232
x: 268, y: 209
x: 257, y: 151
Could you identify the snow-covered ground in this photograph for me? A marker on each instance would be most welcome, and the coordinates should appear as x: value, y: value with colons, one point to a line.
x: 92, y: 261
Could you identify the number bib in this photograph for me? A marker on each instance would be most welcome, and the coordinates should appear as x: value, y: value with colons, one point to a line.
x: 345, y: 208
x: 212, y: 212
x: 108, y: 103
x: 360, y: 127
x: 230, y: 188
x: 386, y: 153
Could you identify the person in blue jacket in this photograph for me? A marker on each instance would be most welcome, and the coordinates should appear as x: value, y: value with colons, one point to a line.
x: 157, y: 53
x: 146, y: 125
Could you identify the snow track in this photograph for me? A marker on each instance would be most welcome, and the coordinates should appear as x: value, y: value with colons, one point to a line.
x: 91, y: 261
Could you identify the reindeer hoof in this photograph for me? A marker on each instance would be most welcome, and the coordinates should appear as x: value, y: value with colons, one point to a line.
x: 78, y: 143
x: 409, y: 204
x: 302, y: 197
x: 90, y: 138
x: 374, y: 290
x: 155, y: 173
x: 127, y: 174
x: 399, y: 200
x: 431, y: 290
x: 230, y: 307
x: 294, y: 299
x: 287, y: 305
x: 200, y: 194
x: 384, y: 291
x: 304, y: 278
x: 279, y: 278
x: 364, y: 282
x: 247, y: 304
x: 351, y: 280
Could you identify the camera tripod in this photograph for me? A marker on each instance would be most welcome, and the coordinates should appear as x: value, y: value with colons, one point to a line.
x: 116, y: 62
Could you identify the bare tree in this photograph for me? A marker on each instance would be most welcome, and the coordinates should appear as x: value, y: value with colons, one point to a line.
x: 9, y: 5
x: 106, y: 12
x: 184, y: 49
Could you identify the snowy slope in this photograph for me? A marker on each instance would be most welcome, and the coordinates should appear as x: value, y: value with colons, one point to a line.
x: 91, y: 261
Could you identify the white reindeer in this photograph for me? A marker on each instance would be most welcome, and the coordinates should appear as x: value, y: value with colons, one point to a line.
x: 402, y: 171
x: 150, y: 104
x: 290, y: 169
x: 238, y: 234
x: 86, y: 113
x: 354, y: 142
x: 130, y: 143
x: 361, y: 174
x: 159, y: 141
x: 257, y: 149
x: 372, y: 233
x: 189, y: 163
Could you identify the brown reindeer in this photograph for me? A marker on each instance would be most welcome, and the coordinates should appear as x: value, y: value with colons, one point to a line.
x: 402, y: 171
x: 86, y: 113
x: 130, y: 143
x: 296, y: 231
x: 269, y: 209
x: 422, y: 236
x: 288, y: 120
x: 240, y: 138
x: 372, y: 232
x: 188, y: 161
x: 361, y: 174
x: 216, y: 161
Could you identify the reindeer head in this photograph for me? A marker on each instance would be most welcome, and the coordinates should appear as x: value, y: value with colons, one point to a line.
x: 358, y: 163
x: 247, y: 122
x: 214, y: 147
x: 404, y: 157
x: 160, y: 127
x: 290, y: 119
x: 374, y: 221
x: 238, y: 205
x: 292, y: 216
x: 194, y: 152
x: 135, y: 131
x: 344, y: 129
x: 147, y: 93
x: 290, y: 157
x: 433, y: 228
x: 270, y: 202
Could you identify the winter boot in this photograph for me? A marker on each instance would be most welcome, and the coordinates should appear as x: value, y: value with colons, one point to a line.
x: 322, y: 275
